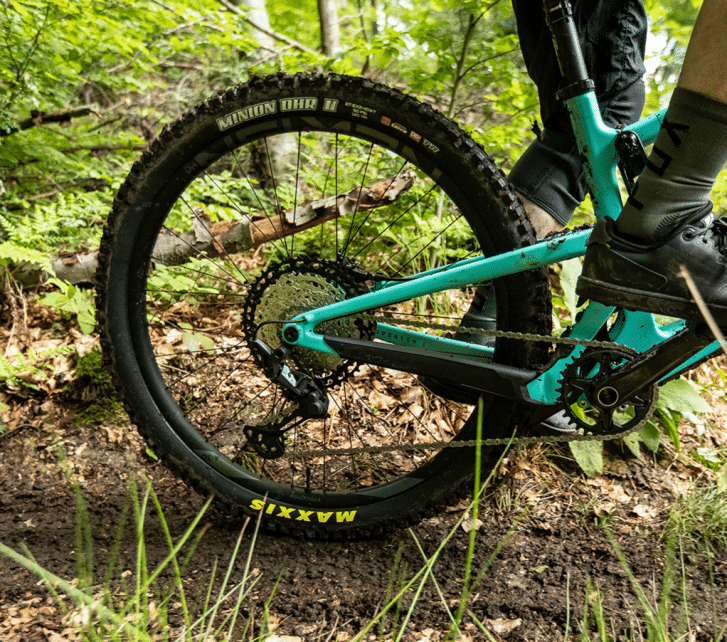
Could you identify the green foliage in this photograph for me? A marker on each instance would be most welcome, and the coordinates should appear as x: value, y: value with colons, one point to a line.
x: 588, y: 455
x: 675, y: 399
x: 671, y: 24
x: 13, y: 253
x: 74, y: 301
x: 53, y: 48
x: 25, y: 369
x: 699, y: 517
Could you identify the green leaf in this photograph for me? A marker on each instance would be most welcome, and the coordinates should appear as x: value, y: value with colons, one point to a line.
x: 681, y: 395
x: 670, y: 421
x: 650, y: 435
x: 722, y: 479
x: 569, y: 273
x: 588, y: 455
x: 632, y: 443
x: 709, y: 455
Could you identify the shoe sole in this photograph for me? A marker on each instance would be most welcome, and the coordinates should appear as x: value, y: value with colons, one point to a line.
x: 632, y: 299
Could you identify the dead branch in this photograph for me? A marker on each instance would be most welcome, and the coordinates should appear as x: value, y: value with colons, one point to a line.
x: 38, y: 118
x: 233, y: 236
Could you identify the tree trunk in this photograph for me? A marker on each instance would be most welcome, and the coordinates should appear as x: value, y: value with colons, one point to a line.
x: 330, y: 33
x: 258, y: 14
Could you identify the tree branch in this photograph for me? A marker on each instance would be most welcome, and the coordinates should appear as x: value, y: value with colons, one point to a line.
x: 232, y: 236
x: 38, y: 118
x: 268, y: 32
x: 459, y: 75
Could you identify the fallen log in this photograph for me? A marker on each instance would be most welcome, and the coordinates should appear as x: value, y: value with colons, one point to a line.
x: 232, y: 236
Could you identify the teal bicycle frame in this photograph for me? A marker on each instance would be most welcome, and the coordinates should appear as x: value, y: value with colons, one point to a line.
x: 637, y: 330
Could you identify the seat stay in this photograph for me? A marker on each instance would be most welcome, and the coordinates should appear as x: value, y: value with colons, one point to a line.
x: 301, y: 330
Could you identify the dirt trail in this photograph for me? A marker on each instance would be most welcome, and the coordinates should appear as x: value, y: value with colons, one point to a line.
x: 536, y: 583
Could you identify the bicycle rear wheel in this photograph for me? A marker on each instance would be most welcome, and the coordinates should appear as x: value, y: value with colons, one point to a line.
x: 271, y: 199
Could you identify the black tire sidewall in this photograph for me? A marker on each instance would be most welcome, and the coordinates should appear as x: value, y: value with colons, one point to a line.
x: 182, y: 151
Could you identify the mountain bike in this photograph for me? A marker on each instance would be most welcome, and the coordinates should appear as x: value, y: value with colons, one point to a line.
x: 287, y: 265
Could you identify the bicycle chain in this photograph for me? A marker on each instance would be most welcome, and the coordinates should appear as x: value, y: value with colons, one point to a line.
x: 495, y: 441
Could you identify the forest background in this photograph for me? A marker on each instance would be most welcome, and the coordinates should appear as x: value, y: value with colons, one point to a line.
x: 85, y: 85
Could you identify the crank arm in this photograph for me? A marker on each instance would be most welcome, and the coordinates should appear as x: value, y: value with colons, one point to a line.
x: 658, y: 362
x: 478, y: 376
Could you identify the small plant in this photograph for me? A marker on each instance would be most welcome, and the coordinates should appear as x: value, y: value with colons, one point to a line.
x: 28, y: 369
x: 71, y: 300
x: 699, y: 518
x: 139, y: 611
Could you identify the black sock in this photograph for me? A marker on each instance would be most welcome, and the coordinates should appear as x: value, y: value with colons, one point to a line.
x: 688, y: 154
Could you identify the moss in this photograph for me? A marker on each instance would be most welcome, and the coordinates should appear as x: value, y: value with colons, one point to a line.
x: 91, y: 392
x: 102, y: 411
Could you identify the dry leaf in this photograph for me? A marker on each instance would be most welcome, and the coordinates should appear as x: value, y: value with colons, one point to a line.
x: 467, y: 524
x: 645, y: 512
x: 503, y: 627
x: 605, y: 508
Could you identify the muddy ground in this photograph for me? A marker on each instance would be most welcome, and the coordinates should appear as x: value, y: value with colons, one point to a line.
x: 535, y: 588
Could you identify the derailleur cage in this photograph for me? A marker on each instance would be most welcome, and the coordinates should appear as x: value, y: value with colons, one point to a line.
x: 310, y: 401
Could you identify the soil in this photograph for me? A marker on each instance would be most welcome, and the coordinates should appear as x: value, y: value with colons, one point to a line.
x: 541, y: 551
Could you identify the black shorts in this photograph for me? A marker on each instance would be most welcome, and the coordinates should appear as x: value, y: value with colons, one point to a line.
x: 613, y: 39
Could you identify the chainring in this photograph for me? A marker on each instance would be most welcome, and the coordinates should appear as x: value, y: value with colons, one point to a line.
x: 583, y: 377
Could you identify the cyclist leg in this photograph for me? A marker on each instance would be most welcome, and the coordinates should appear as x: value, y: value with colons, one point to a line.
x: 667, y: 222
x: 549, y: 175
x: 612, y: 33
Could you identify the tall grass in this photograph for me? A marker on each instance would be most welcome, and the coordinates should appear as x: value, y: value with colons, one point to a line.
x: 142, y: 615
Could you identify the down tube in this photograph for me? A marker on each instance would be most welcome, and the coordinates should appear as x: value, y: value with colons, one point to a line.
x: 543, y: 253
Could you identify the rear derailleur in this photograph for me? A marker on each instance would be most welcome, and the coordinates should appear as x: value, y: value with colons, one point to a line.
x: 310, y: 401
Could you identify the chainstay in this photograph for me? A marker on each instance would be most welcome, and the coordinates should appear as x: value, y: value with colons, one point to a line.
x: 587, y: 343
x: 475, y: 443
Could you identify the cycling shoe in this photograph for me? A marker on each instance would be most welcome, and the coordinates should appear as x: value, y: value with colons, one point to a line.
x: 622, y: 272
